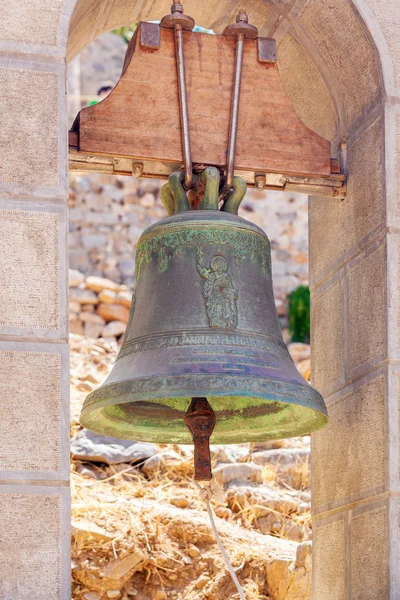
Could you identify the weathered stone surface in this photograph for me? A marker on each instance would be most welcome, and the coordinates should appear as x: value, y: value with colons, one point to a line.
x: 288, y: 581
x: 119, y: 568
x: 75, y: 278
x: 84, y: 531
x: 163, y: 459
x: 352, y: 444
x: 113, y: 312
x: 30, y: 384
x: 367, y: 309
x: 32, y: 159
x: 338, y: 34
x: 107, y: 296
x: 90, y: 317
x: 92, y: 330
x: 354, y: 219
x: 90, y: 446
x: 299, y: 351
x: 281, y: 456
x: 369, y: 578
x: 238, y: 472
x: 98, y: 284
x: 35, y: 23
x: 306, y: 88
x: 29, y: 281
x: 389, y: 22
x: 31, y: 546
x: 327, y: 337
x: 83, y: 296
x: 329, y: 561
x: 263, y: 499
x: 124, y: 298
x: 114, y: 328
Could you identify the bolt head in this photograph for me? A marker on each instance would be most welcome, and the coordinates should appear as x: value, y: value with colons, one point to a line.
x: 242, y: 17
x: 177, y: 8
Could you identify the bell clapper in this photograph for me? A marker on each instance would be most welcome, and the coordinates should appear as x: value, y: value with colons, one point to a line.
x: 200, y: 420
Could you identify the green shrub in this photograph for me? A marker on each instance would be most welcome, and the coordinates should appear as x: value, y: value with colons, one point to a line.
x: 299, y: 314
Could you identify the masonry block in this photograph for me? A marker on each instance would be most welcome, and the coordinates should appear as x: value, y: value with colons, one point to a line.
x: 388, y: 21
x: 31, y: 546
x: 348, y: 456
x: 327, y: 337
x: 339, y: 228
x: 367, y: 310
x: 33, y: 22
x: 338, y: 35
x: 369, y: 561
x: 30, y: 273
x: 329, y: 561
x: 34, y: 426
x: 29, y: 136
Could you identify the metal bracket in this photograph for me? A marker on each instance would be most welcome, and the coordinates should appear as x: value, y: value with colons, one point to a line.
x: 137, y: 170
x: 266, y: 50
x: 150, y: 35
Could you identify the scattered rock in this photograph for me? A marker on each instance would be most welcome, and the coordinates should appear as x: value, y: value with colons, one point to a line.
x: 158, y: 461
x: 113, y: 594
x: 281, y: 456
x: 83, y: 296
x: 75, y: 326
x: 92, y: 330
x: 201, y: 582
x: 160, y: 595
x: 90, y: 446
x: 84, y: 530
x: 113, y: 329
x: 180, y: 501
x: 97, y: 284
x: 289, y: 580
x: 264, y: 499
x: 113, y: 312
x: 88, y: 317
x: 91, y: 596
x: 124, y: 298
x: 299, y: 352
x: 304, y: 368
x: 75, y: 278
x: 238, y: 472
x: 117, y: 569
x: 107, y: 296
x: 223, y: 512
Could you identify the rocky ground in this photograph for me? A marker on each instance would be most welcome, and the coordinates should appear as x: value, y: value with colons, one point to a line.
x: 141, y: 531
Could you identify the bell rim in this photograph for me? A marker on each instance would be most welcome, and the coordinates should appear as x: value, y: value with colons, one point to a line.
x: 288, y: 394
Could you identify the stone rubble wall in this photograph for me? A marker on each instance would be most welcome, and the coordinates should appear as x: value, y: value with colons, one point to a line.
x: 108, y: 214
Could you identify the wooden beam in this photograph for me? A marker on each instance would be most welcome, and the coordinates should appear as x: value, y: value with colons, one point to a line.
x: 140, y: 118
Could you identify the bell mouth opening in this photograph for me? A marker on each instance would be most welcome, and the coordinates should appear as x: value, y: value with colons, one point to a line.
x: 240, y: 417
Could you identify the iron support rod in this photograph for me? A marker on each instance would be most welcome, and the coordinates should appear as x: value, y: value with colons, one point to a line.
x: 180, y: 65
x: 234, y: 112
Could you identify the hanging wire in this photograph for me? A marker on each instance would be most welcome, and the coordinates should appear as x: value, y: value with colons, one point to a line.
x: 206, y: 494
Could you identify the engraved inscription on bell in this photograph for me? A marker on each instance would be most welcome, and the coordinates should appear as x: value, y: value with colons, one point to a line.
x: 219, y: 293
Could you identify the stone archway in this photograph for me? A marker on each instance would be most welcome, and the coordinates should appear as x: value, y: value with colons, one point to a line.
x: 339, y: 64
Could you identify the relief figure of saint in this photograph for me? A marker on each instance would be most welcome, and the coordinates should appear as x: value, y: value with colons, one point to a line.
x: 220, y: 295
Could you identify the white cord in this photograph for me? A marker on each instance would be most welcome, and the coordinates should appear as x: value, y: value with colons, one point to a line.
x: 205, y: 495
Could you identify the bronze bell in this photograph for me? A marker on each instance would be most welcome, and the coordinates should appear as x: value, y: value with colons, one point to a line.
x: 203, y: 325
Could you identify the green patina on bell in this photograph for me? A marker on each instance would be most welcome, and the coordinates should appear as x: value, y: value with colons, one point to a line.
x: 203, y: 324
